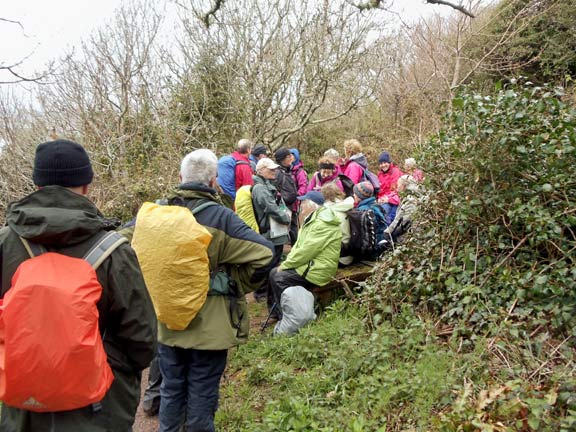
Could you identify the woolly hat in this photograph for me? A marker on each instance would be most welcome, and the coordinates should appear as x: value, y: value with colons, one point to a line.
x: 314, y: 196
x: 62, y: 163
x: 281, y: 154
x: 364, y: 190
x: 259, y: 149
x: 384, y: 157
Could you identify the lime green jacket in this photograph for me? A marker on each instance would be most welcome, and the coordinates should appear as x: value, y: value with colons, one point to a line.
x: 316, y: 252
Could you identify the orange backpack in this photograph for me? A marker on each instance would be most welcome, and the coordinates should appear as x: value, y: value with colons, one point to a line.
x: 51, y: 353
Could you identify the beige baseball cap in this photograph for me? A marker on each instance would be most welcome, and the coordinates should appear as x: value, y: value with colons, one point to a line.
x: 266, y: 163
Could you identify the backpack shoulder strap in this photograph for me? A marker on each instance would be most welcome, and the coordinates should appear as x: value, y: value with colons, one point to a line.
x: 202, y: 206
x: 103, y: 248
x: 33, y: 249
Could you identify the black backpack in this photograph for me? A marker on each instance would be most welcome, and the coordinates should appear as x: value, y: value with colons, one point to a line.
x: 346, y: 181
x: 286, y: 185
x: 348, y: 184
x: 362, y: 233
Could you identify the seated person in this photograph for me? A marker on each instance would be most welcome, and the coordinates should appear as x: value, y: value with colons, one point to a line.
x: 364, y: 200
x: 339, y: 204
x: 412, y: 195
x: 410, y: 168
x: 388, y: 175
x: 313, y: 260
x: 327, y: 173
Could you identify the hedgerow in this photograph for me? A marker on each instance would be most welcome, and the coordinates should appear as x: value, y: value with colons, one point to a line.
x: 495, y: 245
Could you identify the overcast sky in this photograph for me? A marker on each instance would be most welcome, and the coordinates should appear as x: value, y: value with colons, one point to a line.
x: 53, y: 27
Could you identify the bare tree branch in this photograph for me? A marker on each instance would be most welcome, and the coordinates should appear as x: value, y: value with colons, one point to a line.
x: 459, y: 8
x: 206, y: 18
x: 379, y: 4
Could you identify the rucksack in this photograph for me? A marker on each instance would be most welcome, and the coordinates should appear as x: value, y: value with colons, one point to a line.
x: 227, y: 174
x: 347, y: 184
x: 245, y: 207
x: 362, y: 233
x: 346, y: 181
x: 172, y: 248
x: 372, y: 178
x: 51, y: 353
x: 366, y: 231
x: 287, y: 187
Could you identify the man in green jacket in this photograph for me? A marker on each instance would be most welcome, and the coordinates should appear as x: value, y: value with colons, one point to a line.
x: 192, y: 360
x: 61, y: 218
x: 313, y: 261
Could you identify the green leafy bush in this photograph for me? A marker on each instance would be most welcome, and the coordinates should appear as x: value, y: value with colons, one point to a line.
x: 497, y: 238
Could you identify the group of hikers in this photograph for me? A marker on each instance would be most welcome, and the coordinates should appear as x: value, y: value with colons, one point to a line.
x: 84, y: 308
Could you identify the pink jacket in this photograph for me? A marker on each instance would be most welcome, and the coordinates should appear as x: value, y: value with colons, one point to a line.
x: 316, y: 182
x: 301, y: 177
x: 388, y: 182
x: 354, y: 167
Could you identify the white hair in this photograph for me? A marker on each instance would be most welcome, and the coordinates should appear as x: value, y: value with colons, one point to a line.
x: 244, y: 146
x: 199, y: 166
x: 410, y: 163
x: 332, y: 153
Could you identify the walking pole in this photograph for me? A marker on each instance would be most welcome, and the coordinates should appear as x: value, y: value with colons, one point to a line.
x: 265, y: 324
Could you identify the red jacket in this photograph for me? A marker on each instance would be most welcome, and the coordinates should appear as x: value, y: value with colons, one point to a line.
x: 243, y: 173
x: 388, y: 182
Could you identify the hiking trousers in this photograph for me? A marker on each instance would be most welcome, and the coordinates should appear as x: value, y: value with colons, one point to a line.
x: 190, y: 387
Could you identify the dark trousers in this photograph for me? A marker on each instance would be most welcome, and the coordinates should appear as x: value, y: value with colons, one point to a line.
x: 264, y: 290
x: 293, y: 233
x: 151, y: 401
x: 279, y: 281
x: 190, y: 388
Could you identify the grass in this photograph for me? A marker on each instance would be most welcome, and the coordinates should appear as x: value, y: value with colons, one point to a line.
x: 338, y: 375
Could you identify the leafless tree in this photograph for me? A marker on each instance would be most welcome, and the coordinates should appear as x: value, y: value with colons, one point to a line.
x: 283, y: 60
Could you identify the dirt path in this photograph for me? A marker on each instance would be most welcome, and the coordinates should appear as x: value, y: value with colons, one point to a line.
x: 143, y: 423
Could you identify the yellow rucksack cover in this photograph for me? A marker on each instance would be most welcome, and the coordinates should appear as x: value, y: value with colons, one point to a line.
x: 244, y: 207
x: 172, y: 248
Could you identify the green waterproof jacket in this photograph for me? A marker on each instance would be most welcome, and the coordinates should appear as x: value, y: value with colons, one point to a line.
x: 315, y: 253
x: 66, y: 222
x: 223, y: 321
x: 268, y: 204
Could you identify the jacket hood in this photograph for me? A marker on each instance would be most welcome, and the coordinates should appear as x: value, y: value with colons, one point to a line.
x: 194, y: 190
x: 55, y: 216
x: 341, y: 206
x: 325, y: 214
x: 296, y: 155
x: 360, y: 159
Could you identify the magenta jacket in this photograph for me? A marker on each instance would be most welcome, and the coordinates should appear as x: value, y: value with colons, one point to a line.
x: 388, y: 182
x: 354, y: 167
x: 316, y: 182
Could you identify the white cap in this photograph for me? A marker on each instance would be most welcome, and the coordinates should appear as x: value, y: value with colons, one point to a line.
x: 266, y: 163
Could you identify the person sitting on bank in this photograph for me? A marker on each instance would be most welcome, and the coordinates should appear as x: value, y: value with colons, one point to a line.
x: 327, y: 173
x: 340, y: 205
x: 313, y: 260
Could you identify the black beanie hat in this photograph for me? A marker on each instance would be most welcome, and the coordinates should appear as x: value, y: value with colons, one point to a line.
x: 281, y: 154
x: 259, y: 149
x: 62, y: 163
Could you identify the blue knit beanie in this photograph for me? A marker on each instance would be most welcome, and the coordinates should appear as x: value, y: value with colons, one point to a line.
x: 384, y: 157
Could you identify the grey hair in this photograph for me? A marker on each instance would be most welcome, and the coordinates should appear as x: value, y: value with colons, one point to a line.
x: 199, y: 166
x: 244, y: 146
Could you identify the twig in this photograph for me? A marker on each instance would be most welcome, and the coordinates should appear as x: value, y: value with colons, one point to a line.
x: 549, y: 358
